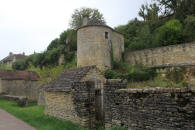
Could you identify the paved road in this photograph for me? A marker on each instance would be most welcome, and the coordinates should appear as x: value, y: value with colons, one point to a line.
x: 9, y: 122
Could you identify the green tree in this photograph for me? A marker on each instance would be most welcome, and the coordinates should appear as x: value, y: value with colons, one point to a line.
x: 169, y: 34
x: 19, y: 65
x: 189, y: 29
x: 149, y: 12
x: 53, y: 44
x: 177, y: 8
x: 92, y: 14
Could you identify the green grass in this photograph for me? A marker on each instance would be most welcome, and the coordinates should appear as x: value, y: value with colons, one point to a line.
x: 34, y: 116
x: 158, y: 81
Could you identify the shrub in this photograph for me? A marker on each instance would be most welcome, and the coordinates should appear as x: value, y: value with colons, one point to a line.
x: 47, y: 73
x: 19, y: 65
x: 138, y: 76
x: 189, y: 31
x: 121, y: 66
x: 5, y: 67
x: 69, y: 56
x: 176, y: 75
x: 111, y: 74
x: 22, y: 102
x: 131, y: 73
x: 168, y: 34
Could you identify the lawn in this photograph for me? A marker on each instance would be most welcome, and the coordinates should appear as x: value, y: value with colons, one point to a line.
x: 34, y: 115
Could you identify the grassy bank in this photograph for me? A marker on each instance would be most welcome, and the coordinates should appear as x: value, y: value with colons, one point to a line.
x: 34, y: 115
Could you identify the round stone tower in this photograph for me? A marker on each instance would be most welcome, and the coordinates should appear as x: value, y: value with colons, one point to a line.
x: 98, y: 45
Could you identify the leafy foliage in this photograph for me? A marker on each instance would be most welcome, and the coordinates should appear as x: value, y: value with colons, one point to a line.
x: 177, y: 8
x: 149, y: 12
x: 19, y: 65
x: 5, y: 67
x: 165, y: 22
x: 189, y: 28
x: 168, y: 34
x: 131, y: 73
x: 92, y: 14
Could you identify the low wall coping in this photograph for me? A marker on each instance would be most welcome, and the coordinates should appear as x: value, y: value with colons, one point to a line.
x: 156, y: 90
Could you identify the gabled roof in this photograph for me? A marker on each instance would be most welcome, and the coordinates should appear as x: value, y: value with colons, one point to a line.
x: 10, y: 58
x: 18, y: 75
x: 64, y: 81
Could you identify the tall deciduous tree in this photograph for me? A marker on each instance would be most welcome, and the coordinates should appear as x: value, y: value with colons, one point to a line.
x: 92, y: 14
x: 149, y: 12
x: 178, y: 8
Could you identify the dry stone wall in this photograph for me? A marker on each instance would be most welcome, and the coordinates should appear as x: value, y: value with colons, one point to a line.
x: 174, y: 54
x: 1, y: 88
x: 84, y: 100
x: 77, y: 106
x: 60, y: 105
x: 153, y: 108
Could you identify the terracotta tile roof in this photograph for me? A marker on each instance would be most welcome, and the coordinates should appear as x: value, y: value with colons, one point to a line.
x: 64, y: 81
x: 18, y: 75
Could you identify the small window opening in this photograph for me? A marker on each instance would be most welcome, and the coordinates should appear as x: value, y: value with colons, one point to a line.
x: 106, y: 35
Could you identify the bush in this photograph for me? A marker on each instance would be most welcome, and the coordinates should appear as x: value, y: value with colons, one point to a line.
x: 176, y: 75
x: 69, y: 56
x: 111, y: 74
x: 138, y: 76
x: 48, y: 73
x: 19, y: 65
x: 168, y: 34
x: 22, y: 102
x: 5, y: 67
x: 189, y: 29
x: 131, y: 73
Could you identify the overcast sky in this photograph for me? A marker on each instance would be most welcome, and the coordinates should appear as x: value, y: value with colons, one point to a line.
x: 30, y: 25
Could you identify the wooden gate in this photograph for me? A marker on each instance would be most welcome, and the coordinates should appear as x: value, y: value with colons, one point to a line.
x: 99, y: 106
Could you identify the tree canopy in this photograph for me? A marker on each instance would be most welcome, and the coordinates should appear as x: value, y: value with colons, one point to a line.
x: 92, y: 15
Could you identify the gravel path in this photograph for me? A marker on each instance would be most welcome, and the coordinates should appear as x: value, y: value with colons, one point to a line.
x: 9, y: 122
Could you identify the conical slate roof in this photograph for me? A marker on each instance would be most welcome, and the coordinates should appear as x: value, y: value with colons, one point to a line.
x: 65, y: 80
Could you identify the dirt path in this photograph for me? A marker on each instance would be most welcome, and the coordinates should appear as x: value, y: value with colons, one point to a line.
x: 9, y: 122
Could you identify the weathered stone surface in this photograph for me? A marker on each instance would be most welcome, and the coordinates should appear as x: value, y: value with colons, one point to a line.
x: 151, y: 108
x: 76, y: 106
x: 93, y: 48
x: 30, y: 89
x: 19, y: 83
x: 174, y: 55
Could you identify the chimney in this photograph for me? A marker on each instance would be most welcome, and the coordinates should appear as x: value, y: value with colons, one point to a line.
x: 85, y: 20
x: 23, y: 53
x: 10, y: 54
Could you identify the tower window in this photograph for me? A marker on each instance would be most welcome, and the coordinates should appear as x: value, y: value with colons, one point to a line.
x: 106, y: 35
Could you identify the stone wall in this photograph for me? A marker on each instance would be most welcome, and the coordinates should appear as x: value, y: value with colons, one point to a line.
x: 76, y: 106
x: 153, y: 108
x: 1, y: 89
x: 174, y: 54
x: 93, y: 48
x: 117, y: 45
x: 30, y: 89
x: 41, y: 98
x: 60, y: 105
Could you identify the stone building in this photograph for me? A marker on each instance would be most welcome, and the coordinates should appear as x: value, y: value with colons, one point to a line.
x: 9, y: 60
x: 19, y: 83
x: 98, y: 45
x: 67, y: 102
